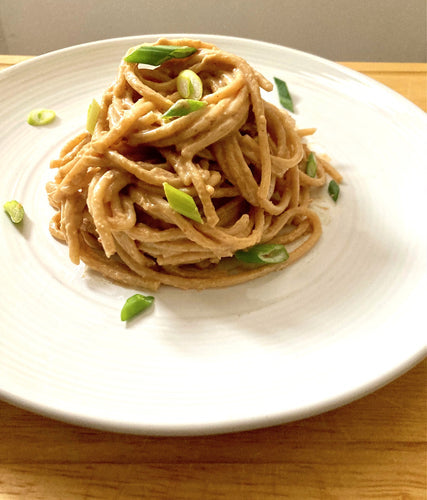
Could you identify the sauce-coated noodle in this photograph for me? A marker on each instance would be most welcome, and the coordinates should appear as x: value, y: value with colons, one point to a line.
x: 239, y: 157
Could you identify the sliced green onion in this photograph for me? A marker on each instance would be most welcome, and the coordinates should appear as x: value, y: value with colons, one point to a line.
x: 135, y: 305
x: 182, y: 202
x: 14, y: 210
x: 333, y: 190
x: 189, y: 85
x: 92, y: 116
x: 158, y: 54
x: 183, y: 107
x: 268, y: 253
x: 311, y: 166
x: 284, y: 95
x: 41, y: 117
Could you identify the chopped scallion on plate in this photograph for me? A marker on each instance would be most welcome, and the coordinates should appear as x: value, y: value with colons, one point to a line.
x: 135, y: 305
x: 14, y: 210
x: 268, y: 253
x: 284, y: 95
x: 41, y: 116
x: 333, y: 190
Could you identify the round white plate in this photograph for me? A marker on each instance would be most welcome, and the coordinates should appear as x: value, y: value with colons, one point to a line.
x: 341, y: 322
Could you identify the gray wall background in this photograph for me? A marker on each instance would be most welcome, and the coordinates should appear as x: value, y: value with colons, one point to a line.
x: 341, y: 30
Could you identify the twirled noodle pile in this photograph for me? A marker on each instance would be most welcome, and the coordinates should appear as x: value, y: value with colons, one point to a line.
x: 240, y: 158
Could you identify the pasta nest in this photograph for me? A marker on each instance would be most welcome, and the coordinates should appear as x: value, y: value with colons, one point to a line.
x: 240, y: 157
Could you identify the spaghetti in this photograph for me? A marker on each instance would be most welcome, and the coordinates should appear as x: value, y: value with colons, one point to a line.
x: 239, y: 157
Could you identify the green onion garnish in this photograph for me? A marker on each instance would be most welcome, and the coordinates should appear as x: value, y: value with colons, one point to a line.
x: 333, y: 190
x: 182, y: 202
x: 189, y: 85
x: 284, y: 96
x: 158, y: 54
x: 183, y: 107
x: 14, y: 210
x: 92, y: 116
x: 135, y: 305
x: 41, y: 117
x: 311, y: 166
x: 267, y: 253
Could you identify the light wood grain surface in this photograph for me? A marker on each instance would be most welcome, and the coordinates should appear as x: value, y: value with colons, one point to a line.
x: 373, y: 448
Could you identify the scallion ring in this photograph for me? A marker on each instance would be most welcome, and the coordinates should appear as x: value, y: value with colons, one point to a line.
x: 14, y: 210
x: 41, y: 116
x: 189, y: 85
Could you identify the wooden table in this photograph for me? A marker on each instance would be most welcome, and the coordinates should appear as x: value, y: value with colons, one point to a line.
x: 372, y: 448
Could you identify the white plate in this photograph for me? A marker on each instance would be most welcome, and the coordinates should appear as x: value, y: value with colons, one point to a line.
x: 343, y: 321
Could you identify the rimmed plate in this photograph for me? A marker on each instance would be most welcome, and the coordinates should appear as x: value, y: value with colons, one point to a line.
x: 338, y: 324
